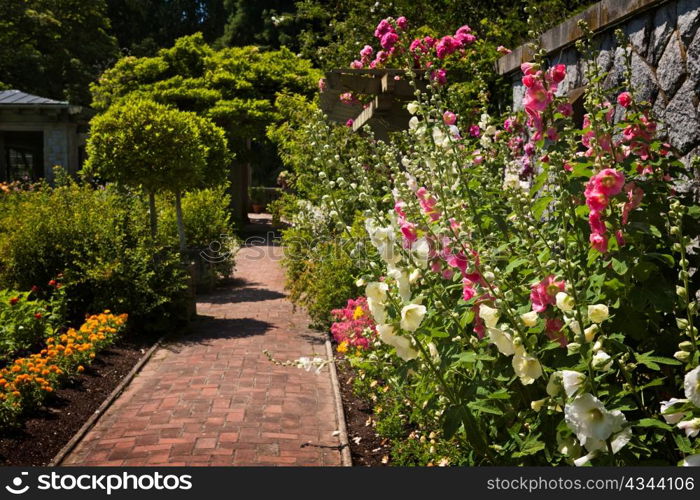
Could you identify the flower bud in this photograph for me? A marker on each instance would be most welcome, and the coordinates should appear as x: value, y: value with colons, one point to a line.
x: 537, y: 405
x: 686, y: 346
x: 573, y: 348
x: 682, y: 292
x: 682, y: 356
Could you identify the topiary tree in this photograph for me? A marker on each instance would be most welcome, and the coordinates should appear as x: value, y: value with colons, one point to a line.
x: 146, y: 145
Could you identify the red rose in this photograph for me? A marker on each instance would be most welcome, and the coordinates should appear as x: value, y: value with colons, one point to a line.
x: 38, y: 315
x: 52, y: 283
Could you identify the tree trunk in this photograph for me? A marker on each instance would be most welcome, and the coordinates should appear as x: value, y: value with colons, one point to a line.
x: 152, y: 210
x: 180, y: 224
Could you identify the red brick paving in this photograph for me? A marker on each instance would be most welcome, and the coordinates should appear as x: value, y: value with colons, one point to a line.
x: 213, y: 398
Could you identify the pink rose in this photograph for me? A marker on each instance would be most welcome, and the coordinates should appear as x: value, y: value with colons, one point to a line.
x: 389, y: 40
x: 402, y: 23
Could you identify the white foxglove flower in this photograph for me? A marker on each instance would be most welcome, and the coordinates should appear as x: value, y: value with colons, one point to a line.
x: 598, y: 313
x: 592, y: 423
x: 434, y: 354
x: 411, y: 317
x: 671, y: 418
x: 571, y: 381
x: 526, y: 367
x: 530, y: 319
x: 502, y: 340
x: 602, y: 361
x: 413, y: 123
x: 377, y: 310
x: 565, y: 302
x: 412, y: 107
x: 376, y: 290
x: 489, y: 315
x: 691, y: 461
x: 690, y: 427
x: 692, y: 386
x: 414, y: 276
x: 591, y: 332
x: 401, y: 344
x: 421, y: 251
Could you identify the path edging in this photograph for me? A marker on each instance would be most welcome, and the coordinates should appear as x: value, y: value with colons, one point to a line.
x: 345, y: 456
x: 102, y: 409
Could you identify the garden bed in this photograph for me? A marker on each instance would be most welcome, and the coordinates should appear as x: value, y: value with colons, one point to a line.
x: 46, y: 431
x: 369, y: 449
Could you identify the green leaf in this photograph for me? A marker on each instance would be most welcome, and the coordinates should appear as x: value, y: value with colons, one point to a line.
x: 652, y: 362
x: 451, y: 423
x: 482, y: 407
x: 652, y: 422
x: 529, y: 447
x: 540, y: 206
x: 618, y: 266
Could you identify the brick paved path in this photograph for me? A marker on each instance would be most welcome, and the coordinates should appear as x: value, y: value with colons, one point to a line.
x: 213, y: 398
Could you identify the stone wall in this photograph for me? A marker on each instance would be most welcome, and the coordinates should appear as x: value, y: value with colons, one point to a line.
x: 665, y: 42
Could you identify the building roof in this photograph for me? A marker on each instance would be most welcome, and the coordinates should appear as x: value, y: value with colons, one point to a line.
x: 19, y: 98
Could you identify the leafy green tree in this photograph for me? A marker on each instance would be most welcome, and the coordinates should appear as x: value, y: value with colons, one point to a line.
x: 234, y: 87
x: 151, y: 146
x: 54, y: 48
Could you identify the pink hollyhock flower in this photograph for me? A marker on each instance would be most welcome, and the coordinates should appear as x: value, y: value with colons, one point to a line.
x: 479, y: 326
x: 566, y: 109
x: 449, y: 118
x: 428, y: 203
x: 558, y: 73
x: 634, y: 199
x: 350, y: 122
x: 383, y: 28
x: 367, y: 51
x: 529, y: 80
x: 529, y: 149
x: 409, y: 231
x: 402, y: 23
x: 599, y: 242
x: 468, y: 290
x: 544, y: 293
x: 620, y: 238
x: 509, y: 123
x: 624, y: 99
x: 439, y: 76
x: 322, y: 84
x: 552, y: 134
x: 454, y: 225
x: 474, y: 131
x: 529, y: 68
x: 458, y: 261
x: 399, y: 208
x: 356, y: 64
x: 595, y: 200
x: 553, y: 331
x: 568, y: 167
x: 389, y: 40
x: 447, y: 46
x: 503, y: 51
x: 595, y: 221
x: 608, y: 181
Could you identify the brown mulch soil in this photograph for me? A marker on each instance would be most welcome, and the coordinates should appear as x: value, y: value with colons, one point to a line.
x: 369, y: 449
x: 46, y: 431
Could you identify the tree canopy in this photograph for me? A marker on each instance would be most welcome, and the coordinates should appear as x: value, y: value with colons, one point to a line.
x: 235, y: 87
x: 54, y: 48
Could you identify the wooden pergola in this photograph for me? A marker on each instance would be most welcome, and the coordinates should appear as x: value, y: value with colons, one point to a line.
x: 386, y: 112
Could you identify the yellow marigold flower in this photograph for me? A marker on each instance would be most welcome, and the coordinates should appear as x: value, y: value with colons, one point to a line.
x: 81, y: 368
x: 342, y: 347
